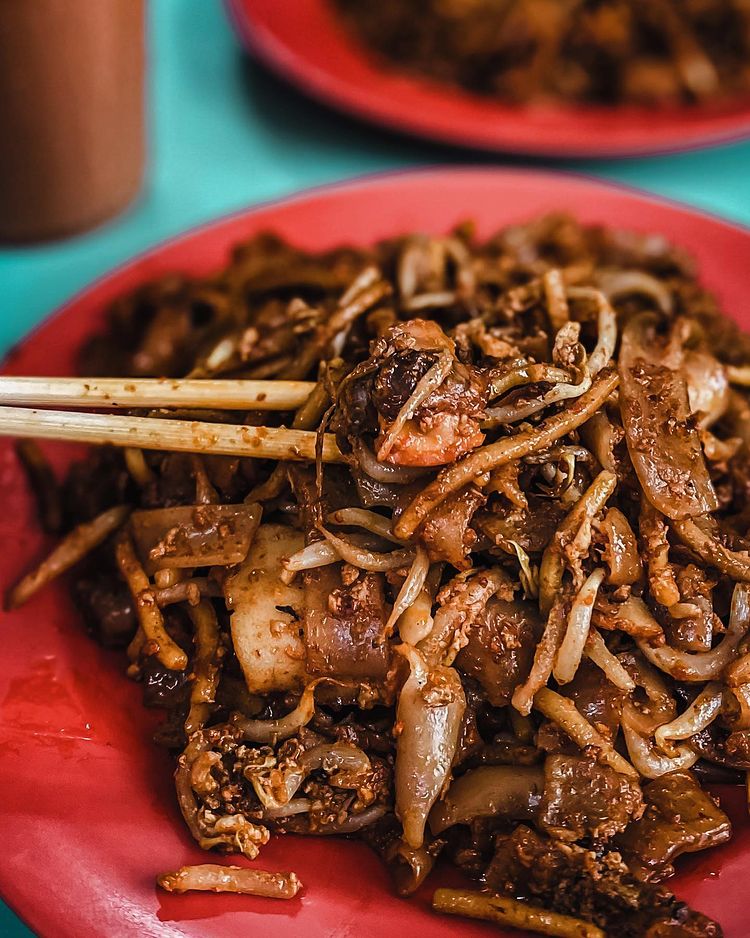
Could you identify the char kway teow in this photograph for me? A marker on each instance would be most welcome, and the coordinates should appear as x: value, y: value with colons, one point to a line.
x: 496, y: 614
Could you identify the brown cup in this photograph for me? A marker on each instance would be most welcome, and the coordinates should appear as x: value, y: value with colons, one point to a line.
x: 71, y: 114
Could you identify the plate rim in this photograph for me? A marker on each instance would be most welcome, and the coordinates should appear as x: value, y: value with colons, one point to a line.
x: 333, y: 91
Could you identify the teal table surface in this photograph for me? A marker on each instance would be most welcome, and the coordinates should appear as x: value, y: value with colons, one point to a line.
x: 225, y: 134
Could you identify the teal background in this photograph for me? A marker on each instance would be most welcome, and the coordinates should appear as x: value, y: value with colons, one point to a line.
x: 225, y: 134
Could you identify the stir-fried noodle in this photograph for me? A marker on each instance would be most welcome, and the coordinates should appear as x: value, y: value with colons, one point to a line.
x: 512, y: 629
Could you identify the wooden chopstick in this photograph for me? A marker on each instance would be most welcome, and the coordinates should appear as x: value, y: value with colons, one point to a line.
x: 106, y: 393
x: 174, y: 435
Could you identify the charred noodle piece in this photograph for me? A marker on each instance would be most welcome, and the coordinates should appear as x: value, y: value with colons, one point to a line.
x: 583, y: 799
x: 448, y: 534
x: 662, y: 440
x: 505, y: 450
x: 500, y: 651
x: 621, y: 553
x: 266, y: 613
x: 345, y: 631
x: 513, y: 913
x: 194, y: 535
x: 211, y: 877
x: 706, y: 544
x: 708, y: 387
x: 158, y: 641
x: 564, y: 713
x: 73, y: 548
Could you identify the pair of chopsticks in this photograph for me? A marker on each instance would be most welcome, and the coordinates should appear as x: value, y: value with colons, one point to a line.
x: 27, y: 395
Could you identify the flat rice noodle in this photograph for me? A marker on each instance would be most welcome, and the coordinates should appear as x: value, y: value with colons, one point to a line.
x: 265, y: 634
x: 708, y: 387
x: 703, y: 537
x: 621, y: 553
x: 344, y: 627
x: 662, y: 440
x: 501, y: 647
x: 512, y: 792
x: 194, y: 535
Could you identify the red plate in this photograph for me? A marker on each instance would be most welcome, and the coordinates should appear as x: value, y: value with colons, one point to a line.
x: 305, y: 43
x: 87, y: 808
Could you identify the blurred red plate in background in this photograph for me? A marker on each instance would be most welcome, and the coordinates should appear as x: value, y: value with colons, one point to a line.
x: 305, y: 43
x: 87, y: 806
